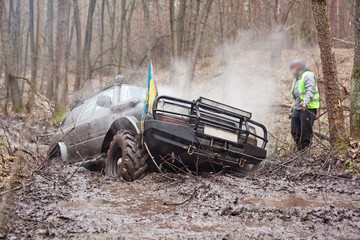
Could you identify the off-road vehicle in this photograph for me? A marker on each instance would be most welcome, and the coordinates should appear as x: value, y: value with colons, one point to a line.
x: 200, y: 133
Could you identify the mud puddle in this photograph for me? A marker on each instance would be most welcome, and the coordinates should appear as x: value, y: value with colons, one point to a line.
x: 92, y: 206
x: 299, y: 201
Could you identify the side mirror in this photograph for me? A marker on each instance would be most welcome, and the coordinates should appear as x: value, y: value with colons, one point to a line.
x: 103, y: 101
x: 135, y: 101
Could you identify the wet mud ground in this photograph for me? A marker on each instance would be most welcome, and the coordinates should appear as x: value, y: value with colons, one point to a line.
x: 69, y: 202
x: 89, y: 205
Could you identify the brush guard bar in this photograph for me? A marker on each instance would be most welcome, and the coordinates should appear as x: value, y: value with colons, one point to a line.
x: 205, y: 112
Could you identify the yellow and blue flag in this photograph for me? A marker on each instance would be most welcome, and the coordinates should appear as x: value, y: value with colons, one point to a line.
x: 151, y: 94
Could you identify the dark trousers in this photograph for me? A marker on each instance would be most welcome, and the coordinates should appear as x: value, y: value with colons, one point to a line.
x: 302, y: 123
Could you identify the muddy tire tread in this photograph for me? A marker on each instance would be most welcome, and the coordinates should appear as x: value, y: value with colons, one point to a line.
x: 134, y: 157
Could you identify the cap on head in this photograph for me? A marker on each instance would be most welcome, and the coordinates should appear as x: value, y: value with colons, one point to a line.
x: 298, y: 64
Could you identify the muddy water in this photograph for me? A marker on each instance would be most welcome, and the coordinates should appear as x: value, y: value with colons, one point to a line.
x: 93, y: 206
x: 301, y: 201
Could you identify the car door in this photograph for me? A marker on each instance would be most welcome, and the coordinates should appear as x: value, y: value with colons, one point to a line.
x: 92, y: 126
x: 68, y: 129
x: 99, y: 125
x: 83, y: 130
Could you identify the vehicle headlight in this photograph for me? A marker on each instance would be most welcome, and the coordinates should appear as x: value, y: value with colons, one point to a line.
x: 161, y: 105
x: 172, y: 110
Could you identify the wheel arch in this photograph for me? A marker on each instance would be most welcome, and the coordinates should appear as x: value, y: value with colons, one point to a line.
x: 127, y: 122
x: 59, y: 150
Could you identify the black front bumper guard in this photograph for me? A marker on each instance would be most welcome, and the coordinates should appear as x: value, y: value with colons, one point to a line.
x: 185, y: 131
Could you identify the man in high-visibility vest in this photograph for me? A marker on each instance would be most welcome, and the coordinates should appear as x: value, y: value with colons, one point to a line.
x: 305, y: 102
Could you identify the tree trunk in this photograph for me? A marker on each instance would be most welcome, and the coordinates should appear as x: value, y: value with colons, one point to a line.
x: 17, y: 36
x: 147, y: 27
x: 355, y: 80
x: 11, y: 13
x: 128, y: 32
x: 342, y: 20
x: 34, y: 46
x: 50, y: 42
x: 195, y: 53
x: 180, y: 25
x: 67, y: 53
x: 333, y: 17
x: 78, y: 45
x: 195, y: 24
x: 24, y: 70
x: 120, y: 41
x: 233, y: 15
x: 332, y: 92
x: 221, y: 20
x: 62, y: 28
x: 44, y: 63
x: 87, y: 44
x: 9, y: 61
x: 102, y: 29
x: 172, y: 27
x: 187, y: 30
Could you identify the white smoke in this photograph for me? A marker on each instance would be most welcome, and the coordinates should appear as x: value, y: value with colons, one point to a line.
x: 239, y: 74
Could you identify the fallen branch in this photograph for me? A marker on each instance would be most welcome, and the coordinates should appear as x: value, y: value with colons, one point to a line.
x: 183, y: 202
x: 15, y: 189
x: 83, y: 160
x: 343, y: 41
x: 173, y: 166
x: 89, y: 162
x: 321, y: 136
x: 152, y: 158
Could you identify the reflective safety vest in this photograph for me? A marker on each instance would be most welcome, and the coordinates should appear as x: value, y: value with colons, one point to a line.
x: 315, y: 101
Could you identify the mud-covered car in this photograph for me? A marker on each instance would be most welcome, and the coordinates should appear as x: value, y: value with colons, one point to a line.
x: 202, y: 134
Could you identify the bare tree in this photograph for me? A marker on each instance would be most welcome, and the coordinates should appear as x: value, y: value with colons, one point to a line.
x: 180, y: 25
x: 195, y: 24
x: 147, y: 27
x: 62, y: 27
x: 34, y: 46
x: 87, y: 43
x: 9, y: 61
x: 78, y: 45
x: 221, y: 20
x: 120, y: 38
x: 355, y: 80
x: 172, y: 27
x: 128, y: 31
x: 68, y: 49
x: 333, y: 5
x: 102, y: 30
x: 332, y: 92
x: 195, y: 53
x: 234, y: 8
x: 17, y: 36
x: 50, y: 41
x: 112, y: 14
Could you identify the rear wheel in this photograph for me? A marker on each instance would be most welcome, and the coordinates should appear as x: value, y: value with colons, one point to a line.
x: 126, y: 158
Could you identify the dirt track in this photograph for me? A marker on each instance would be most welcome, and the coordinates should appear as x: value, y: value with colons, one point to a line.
x: 92, y: 206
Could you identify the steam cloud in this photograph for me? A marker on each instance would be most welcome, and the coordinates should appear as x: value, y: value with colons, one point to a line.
x: 240, y: 74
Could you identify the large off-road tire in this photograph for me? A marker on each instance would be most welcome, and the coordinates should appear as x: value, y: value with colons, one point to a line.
x: 126, y: 158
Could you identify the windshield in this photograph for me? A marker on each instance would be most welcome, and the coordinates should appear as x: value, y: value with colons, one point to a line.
x: 131, y: 92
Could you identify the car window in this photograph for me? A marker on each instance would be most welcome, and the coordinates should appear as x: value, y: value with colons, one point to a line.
x: 131, y: 92
x: 72, y: 116
x: 107, y: 92
x: 88, y: 110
